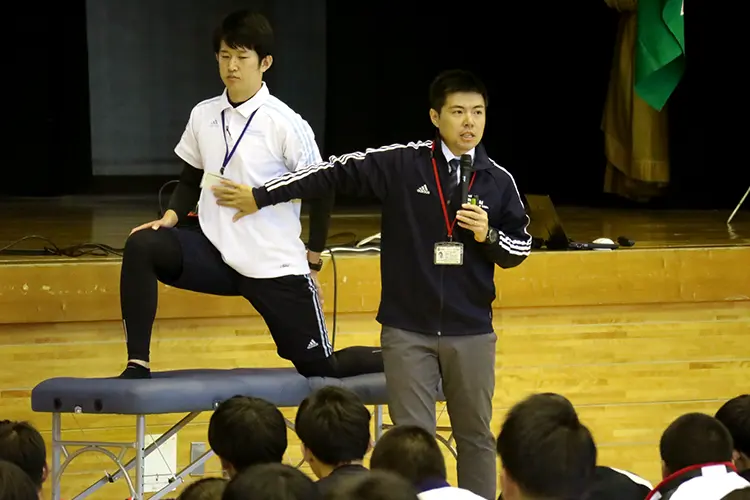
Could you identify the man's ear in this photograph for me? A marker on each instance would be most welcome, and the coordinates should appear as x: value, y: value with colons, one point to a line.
x: 266, y: 63
x: 434, y: 117
x: 307, y: 454
x: 45, y: 472
x: 227, y: 467
x: 508, y: 487
x: 664, y: 470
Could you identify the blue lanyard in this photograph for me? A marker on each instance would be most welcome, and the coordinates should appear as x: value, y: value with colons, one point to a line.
x: 227, y: 154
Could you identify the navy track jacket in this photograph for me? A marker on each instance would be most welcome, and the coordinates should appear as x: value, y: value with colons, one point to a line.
x: 416, y: 294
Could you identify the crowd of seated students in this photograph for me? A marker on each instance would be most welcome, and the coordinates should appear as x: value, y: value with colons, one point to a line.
x: 545, y: 450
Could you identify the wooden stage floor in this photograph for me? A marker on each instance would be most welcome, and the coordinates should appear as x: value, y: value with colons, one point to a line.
x: 634, y: 337
x: 108, y: 220
x: 677, y: 256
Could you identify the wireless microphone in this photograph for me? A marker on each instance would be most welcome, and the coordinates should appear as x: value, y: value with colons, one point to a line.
x: 466, y: 169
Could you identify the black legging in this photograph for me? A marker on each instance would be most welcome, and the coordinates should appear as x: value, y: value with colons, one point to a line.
x: 152, y: 256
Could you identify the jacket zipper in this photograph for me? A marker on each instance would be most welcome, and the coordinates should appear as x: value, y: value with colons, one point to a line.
x: 440, y: 324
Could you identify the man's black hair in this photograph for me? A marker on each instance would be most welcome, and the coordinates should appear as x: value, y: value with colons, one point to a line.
x: 374, y: 485
x: 546, y: 449
x: 245, y: 29
x: 246, y: 431
x: 15, y: 484
x: 208, y: 488
x: 23, y: 445
x: 271, y: 482
x: 410, y: 451
x: 453, y: 81
x: 735, y: 415
x: 334, y: 425
x: 693, y: 439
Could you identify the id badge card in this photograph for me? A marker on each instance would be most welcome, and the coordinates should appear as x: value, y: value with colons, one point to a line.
x: 210, y: 180
x: 449, y: 253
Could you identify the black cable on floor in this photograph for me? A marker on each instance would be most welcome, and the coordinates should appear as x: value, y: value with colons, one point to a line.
x: 92, y: 249
x: 335, y: 297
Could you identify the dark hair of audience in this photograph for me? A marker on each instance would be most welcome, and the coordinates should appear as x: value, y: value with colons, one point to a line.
x: 23, y: 445
x: 735, y: 415
x: 271, y: 482
x: 741, y: 494
x: 245, y: 431
x: 209, y: 488
x: 15, y: 484
x: 334, y: 425
x: 411, y: 452
x: 545, y: 449
x: 692, y: 439
x: 375, y: 485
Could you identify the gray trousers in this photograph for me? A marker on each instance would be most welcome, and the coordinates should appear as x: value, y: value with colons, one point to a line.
x: 414, y: 365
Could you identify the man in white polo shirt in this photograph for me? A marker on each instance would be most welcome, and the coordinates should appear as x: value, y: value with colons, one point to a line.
x: 248, y: 136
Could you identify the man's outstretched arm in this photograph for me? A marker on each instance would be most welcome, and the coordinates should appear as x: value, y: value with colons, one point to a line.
x: 354, y: 174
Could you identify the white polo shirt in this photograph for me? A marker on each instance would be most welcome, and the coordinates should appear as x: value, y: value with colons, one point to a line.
x: 448, y: 493
x: 277, y: 140
x: 713, y: 484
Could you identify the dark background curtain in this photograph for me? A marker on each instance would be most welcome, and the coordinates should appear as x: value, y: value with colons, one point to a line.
x: 359, y: 72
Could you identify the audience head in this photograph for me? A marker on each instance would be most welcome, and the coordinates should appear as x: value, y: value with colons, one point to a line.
x: 15, y: 484
x: 334, y: 427
x: 271, y: 482
x: 693, y: 439
x: 246, y: 431
x: 23, y: 445
x: 209, y: 488
x: 375, y: 485
x: 735, y: 415
x: 546, y: 452
x: 411, y: 452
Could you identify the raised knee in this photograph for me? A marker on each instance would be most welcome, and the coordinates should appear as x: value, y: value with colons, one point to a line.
x: 316, y: 368
x: 142, y: 243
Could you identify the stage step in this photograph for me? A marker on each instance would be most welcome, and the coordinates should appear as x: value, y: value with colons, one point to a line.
x: 59, y: 290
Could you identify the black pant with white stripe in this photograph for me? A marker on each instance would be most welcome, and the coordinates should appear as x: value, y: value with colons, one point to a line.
x: 186, y: 259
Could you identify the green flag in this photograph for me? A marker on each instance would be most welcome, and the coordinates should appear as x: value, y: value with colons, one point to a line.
x: 659, y: 50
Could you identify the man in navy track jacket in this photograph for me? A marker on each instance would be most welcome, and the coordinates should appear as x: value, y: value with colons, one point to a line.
x: 438, y: 257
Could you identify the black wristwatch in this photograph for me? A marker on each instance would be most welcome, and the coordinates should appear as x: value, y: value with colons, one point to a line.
x: 492, y: 236
x: 317, y: 266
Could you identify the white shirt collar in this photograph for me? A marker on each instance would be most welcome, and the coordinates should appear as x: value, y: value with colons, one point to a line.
x: 449, y: 154
x: 247, y: 107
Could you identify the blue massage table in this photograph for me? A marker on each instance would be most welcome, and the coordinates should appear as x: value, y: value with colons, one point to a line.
x: 180, y: 391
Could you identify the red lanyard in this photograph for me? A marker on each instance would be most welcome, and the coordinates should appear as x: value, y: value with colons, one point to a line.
x: 448, y: 224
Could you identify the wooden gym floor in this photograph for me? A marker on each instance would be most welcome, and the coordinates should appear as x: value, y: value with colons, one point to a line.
x: 633, y: 337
